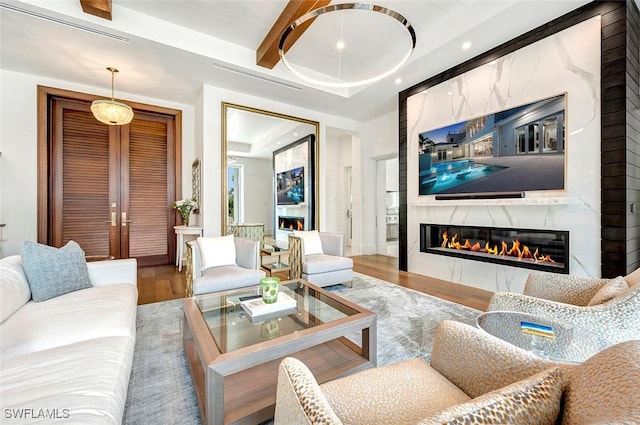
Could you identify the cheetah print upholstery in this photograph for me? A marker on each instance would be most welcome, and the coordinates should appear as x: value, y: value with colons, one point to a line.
x: 405, y: 392
x: 605, y: 388
x: 532, y: 401
x: 389, y: 387
x: 477, y: 362
x: 515, y: 388
x: 574, y: 290
x: 618, y: 319
x: 299, y: 399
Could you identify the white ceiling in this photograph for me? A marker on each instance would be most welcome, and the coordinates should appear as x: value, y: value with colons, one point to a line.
x: 174, y: 43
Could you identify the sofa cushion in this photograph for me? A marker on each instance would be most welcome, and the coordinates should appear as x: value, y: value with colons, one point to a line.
x: 218, y: 279
x: 534, y: 401
x: 14, y: 288
x: 612, y: 289
x: 321, y: 263
x: 52, y: 272
x: 83, y: 315
x: 311, y: 242
x: 83, y: 383
x: 217, y: 251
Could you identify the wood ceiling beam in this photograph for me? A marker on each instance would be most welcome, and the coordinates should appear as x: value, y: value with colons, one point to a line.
x: 267, y: 54
x: 100, y: 8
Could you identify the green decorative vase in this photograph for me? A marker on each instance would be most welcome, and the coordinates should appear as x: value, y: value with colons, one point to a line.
x: 270, y: 289
x: 185, y: 217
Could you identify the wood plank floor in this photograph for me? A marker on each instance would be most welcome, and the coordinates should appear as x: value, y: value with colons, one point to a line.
x: 161, y: 283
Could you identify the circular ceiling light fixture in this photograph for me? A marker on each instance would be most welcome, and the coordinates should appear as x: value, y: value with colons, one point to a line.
x: 342, y: 65
x: 111, y: 112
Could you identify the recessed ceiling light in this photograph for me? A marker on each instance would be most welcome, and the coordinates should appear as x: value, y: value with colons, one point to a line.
x: 450, y: 93
x: 466, y: 45
x: 340, y: 45
x: 295, y: 134
x: 493, y: 63
x: 398, y: 80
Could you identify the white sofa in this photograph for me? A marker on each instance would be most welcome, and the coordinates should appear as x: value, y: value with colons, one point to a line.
x: 67, y: 358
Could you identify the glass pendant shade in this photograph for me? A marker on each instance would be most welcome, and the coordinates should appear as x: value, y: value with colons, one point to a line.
x: 111, y: 112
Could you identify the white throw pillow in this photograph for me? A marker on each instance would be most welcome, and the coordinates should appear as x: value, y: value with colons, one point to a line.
x: 311, y: 243
x: 612, y: 289
x: 217, y: 251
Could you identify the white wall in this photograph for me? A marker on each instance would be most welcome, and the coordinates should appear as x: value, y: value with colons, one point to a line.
x: 380, y: 141
x: 567, y: 62
x: 18, y: 144
x: 338, y: 159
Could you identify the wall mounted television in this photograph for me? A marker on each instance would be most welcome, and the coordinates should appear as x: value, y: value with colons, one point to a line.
x: 290, y: 186
x: 514, y: 150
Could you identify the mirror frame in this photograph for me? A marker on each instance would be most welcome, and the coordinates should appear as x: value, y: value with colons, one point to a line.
x: 224, y: 207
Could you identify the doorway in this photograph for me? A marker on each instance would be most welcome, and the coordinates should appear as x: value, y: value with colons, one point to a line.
x: 109, y: 188
x: 235, y: 194
x: 387, y: 206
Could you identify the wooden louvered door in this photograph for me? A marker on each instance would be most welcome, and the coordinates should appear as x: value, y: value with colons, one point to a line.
x: 110, y: 187
x: 145, y: 188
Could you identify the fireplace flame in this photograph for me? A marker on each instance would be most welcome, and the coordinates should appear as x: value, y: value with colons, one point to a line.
x: 517, y: 249
x: 299, y: 225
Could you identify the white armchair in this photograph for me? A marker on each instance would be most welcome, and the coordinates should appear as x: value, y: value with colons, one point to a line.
x: 567, y: 299
x: 241, y: 269
x: 318, y: 258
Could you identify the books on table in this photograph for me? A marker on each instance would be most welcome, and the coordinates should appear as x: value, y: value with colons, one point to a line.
x: 259, y: 310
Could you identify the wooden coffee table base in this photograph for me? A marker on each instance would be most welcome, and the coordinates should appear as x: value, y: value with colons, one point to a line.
x: 239, y: 387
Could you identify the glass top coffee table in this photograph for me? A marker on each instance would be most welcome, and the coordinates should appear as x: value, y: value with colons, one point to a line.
x: 544, y: 337
x: 234, y: 360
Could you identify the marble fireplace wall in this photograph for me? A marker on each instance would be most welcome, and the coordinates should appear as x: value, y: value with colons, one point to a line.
x: 566, y: 62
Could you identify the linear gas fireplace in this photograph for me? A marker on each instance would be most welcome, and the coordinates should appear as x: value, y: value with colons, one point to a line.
x: 290, y: 223
x: 546, y: 250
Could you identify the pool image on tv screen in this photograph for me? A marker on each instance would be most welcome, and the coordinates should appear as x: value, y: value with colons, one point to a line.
x: 290, y: 186
x: 515, y: 150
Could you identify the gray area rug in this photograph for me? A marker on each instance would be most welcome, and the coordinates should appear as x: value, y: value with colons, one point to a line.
x: 161, y: 391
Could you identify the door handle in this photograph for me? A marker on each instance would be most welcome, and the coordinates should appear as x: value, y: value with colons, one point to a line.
x: 113, y: 219
x: 124, y: 219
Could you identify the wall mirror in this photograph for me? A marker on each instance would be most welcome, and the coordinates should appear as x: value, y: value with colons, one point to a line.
x: 269, y: 171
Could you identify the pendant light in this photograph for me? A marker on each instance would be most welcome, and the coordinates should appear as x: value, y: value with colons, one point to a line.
x: 111, y: 112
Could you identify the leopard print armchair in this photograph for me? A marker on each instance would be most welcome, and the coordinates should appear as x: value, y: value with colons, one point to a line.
x: 473, y: 378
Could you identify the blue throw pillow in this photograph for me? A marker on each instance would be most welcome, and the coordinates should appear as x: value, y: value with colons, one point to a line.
x: 52, y: 272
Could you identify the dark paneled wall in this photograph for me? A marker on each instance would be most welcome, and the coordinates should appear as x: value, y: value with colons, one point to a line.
x: 620, y: 144
x: 620, y: 140
x: 633, y: 136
